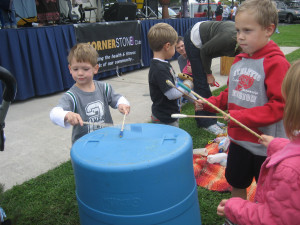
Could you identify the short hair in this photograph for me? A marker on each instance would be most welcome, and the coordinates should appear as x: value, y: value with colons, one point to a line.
x: 291, y: 93
x: 265, y: 11
x: 180, y: 38
x: 160, y: 34
x: 83, y: 52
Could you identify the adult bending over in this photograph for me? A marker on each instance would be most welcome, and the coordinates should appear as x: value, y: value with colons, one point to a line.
x: 203, y: 42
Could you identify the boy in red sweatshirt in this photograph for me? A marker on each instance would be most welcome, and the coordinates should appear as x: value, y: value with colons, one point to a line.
x: 253, y: 96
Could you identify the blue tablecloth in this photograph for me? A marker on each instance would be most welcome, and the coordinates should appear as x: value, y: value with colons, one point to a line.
x: 37, y: 56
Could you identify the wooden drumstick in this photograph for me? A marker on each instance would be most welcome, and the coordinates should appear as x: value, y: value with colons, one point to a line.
x: 122, y: 128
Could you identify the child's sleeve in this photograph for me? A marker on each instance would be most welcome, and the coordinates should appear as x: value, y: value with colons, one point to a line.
x: 112, y: 97
x: 122, y: 100
x: 57, y: 114
x: 219, y: 101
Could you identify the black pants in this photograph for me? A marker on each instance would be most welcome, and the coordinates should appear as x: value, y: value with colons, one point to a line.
x: 201, y: 86
x: 242, y: 166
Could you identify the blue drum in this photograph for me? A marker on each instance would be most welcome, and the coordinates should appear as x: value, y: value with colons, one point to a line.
x: 144, y: 177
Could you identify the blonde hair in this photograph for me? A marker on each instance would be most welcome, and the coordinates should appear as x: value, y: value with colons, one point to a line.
x: 160, y: 34
x: 291, y: 93
x: 265, y: 11
x: 83, y: 52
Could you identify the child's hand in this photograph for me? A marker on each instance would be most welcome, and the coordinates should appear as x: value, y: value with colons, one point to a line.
x: 73, y: 119
x: 265, y: 140
x: 123, y: 108
x: 221, y: 207
x: 227, y: 118
x: 198, y: 105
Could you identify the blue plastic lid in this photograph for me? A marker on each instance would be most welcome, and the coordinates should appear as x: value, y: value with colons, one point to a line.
x: 141, y: 144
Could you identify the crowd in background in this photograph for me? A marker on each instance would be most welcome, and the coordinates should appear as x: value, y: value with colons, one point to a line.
x: 49, y: 11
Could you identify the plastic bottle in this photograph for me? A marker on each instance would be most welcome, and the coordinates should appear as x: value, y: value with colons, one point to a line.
x: 219, y: 139
x: 223, y: 145
x: 217, y: 158
x: 200, y: 151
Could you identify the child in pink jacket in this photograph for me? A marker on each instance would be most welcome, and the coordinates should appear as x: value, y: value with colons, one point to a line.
x: 277, y: 199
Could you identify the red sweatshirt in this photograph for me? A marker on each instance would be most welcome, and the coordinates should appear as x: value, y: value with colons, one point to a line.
x: 253, y: 96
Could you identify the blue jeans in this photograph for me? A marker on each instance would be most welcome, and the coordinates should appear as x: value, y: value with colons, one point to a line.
x: 201, y: 86
x: 9, y: 17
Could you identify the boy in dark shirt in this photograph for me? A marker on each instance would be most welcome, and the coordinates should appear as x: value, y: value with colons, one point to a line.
x: 162, y: 40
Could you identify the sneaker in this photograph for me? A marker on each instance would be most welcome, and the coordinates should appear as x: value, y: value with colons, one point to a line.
x: 220, y: 124
x: 214, y: 129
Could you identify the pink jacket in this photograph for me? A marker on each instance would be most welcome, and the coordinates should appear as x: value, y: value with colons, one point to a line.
x: 277, y: 199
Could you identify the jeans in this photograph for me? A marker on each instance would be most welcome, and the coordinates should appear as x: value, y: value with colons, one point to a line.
x: 9, y: 17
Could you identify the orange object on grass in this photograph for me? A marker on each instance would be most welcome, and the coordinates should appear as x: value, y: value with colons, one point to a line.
x: 212, y: 176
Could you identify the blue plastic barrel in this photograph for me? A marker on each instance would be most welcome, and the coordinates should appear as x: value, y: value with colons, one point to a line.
x: 145, y: 177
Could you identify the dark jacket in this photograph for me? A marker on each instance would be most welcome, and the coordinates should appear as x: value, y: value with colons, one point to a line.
x: 218, y: 39
x: 219, y: 10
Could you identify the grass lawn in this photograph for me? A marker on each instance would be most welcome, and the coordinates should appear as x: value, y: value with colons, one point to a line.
x: 50, y: 198
x: 288, y: 36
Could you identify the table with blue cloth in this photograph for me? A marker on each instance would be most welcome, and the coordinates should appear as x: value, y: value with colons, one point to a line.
x: 37, y: 56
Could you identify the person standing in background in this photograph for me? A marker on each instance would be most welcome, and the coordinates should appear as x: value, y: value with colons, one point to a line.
x: 1, y: 20
x: 8, y: 14
x: 219, y: 12
x: 225, y: 13
x: 184, y: 8
x: 47, y: 11
x: 233, y: 11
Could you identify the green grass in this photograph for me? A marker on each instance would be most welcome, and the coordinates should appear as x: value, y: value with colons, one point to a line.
x: 293, y: 56
x: 208, y: 200
x: 50, y: 198
x: 46, y: 200
x: 289, y: 35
